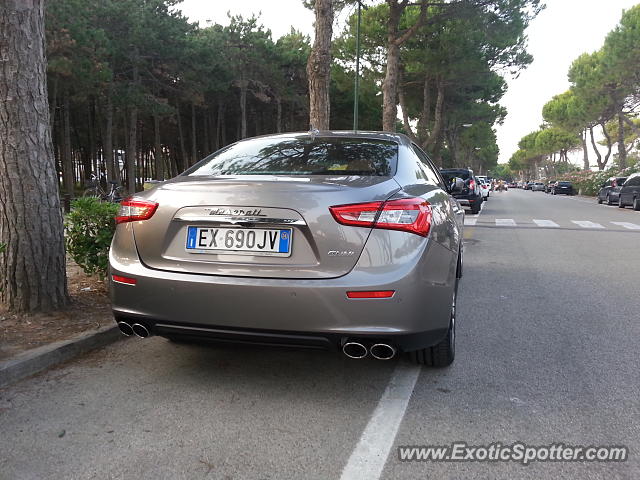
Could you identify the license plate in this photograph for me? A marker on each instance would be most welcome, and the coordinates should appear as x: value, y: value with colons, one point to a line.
x: 239, y: 241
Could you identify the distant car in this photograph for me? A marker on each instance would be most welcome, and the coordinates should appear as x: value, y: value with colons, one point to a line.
x: 513, y: 185
x: 548, y: 186
x: 527, y: 185
x: 630, y: 192
x: 537, y: 187
x: 470, y: 195
x: 562, y: 187
x: 610, y: 190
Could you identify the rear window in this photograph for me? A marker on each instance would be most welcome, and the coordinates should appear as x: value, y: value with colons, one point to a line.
x: 564, y: 184
x: 450, y: 174
x: 302, y: 156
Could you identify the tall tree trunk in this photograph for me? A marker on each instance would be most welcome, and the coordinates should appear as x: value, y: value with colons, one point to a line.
x: 219, y: 118
x: 32, y: 269
x: 107, y: 139
x: 609, y: 146
x: 595, y: 149
x: 243, y: 108
x: 183, y: 151
x: 68, y: 176
x: 622, y: 151
x: 194, y: 145
x: 585, y: 151
x: 395, y: 39
x: 278, y: 114
x: 319, y: 66
x: 405, y: 114
x: 157, y: 150
x: 132, y: 146
x: 438, y: 119
x: 423, y: 121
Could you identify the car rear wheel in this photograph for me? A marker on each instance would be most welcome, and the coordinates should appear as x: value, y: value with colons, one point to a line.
x: 620, y: 204
x: 442, y: 354
x: 600, y: 200
x: 636, y: 204
x: 475, y: 208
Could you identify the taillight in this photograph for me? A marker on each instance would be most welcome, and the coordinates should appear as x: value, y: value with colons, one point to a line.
x: 132, y: 210
x: 406, y: 214
x: 472, y: 184
x: 125, y: 280
x: 371, y: 294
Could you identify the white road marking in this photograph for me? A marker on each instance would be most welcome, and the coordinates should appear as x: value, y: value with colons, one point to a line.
x: 470, y: 221
x: 630, y: 226
x: 586, y: 224
x: 545, y: 223
x: 505, y: 222
x: 370, y: 455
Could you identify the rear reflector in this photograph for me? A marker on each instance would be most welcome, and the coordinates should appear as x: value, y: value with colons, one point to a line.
x: 372, y: 294
x: 132, y: 210
x: 125, y: 280
x: 407, y: 214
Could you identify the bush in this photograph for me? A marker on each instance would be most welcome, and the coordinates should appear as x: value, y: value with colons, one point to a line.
x: 89, y: 229
x: 589, y: 182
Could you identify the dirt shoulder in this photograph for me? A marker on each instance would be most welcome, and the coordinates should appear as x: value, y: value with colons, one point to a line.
x: 89, y: 310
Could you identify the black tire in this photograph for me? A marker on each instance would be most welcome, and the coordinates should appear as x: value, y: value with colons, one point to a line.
x: 475, y: 208
x: 600, y: 200
x: 620, y: 204
x: 609, y: 201
x: 636, y: 204
x: 441, y: 354
x: 553, y: 192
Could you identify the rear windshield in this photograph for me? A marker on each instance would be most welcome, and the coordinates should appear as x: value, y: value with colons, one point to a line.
x: 450, y: 174
x: 564, y: 184
x: 302, y: 156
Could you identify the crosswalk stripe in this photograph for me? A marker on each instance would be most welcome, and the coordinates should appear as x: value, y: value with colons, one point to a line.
x: 587, y: 224
x: 470, y: 221
x: 545, y: 223
x: 630, y: 226
x: 505, y: 222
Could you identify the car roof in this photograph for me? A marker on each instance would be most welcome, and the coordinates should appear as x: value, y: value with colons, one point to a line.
x: 393, y: 137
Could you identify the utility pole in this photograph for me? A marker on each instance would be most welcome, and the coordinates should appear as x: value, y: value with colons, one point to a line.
x: 357, y: 79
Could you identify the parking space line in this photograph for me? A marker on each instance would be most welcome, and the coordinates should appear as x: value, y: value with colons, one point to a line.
x: 370, y: 454
x: 545, y: 223
x: 627, y: 225
x: 505, y: 222
x: 587, y: 224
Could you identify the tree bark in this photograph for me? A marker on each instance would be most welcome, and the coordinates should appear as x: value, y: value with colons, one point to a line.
x: 319, y: 66
x: 194, y: 145
x: 595, y: 148
x: 183, y: 151
x: 278, y: 114
x: 609, y: 146
x: 622, y: 150
x: 423, y: 121
x: 157, y: 150
x: 585, y: 152
x: 32, y: 269
x: 68, y: 176
x: 132, y: 145
x: 395, y: 39
x: 243, y: 108
x: 107, y: 140
x: 438, y: 119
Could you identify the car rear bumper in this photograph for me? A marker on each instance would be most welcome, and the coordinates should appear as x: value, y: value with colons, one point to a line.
x: 302, y: 313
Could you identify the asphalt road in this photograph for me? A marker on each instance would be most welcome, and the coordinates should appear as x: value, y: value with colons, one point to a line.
x: 547, y: 353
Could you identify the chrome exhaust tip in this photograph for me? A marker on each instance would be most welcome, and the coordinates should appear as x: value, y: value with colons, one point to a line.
x: 354, y: 350
x: 125, y: 329
x: 382, y: 351
x: 140, y: 330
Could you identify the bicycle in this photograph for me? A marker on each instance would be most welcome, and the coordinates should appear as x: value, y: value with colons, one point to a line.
x: 96, y: 190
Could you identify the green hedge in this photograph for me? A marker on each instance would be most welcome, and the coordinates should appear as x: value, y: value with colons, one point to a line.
x: 90, y: 226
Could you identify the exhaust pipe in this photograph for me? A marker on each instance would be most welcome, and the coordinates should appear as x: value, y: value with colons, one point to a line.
x: 354, y: 350
x: 125, y: 329
x: 382, y: 351
x: 140, y: 330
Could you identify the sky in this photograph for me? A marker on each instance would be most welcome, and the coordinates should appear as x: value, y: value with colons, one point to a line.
x: 563, y: 31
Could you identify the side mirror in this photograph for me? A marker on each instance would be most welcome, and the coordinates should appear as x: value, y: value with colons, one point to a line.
x: 456, y: 186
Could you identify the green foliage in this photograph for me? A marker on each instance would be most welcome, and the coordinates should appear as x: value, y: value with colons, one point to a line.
x: 89, y: 229
x: 589, y: 183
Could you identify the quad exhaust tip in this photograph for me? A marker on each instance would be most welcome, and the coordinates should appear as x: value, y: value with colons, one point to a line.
x: 140, y: 330
x: 125, y: 329
x: 382, y: 351
x: 354, y: 350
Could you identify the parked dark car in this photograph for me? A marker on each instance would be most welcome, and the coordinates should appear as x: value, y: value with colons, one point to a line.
x: 528, y: 185
x: 610, y: 190
x: 471, y: 194
x: 562, y: 187
x: 630, y: 192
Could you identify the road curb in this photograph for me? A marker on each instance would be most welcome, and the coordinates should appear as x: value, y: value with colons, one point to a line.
x: 38, y: 359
